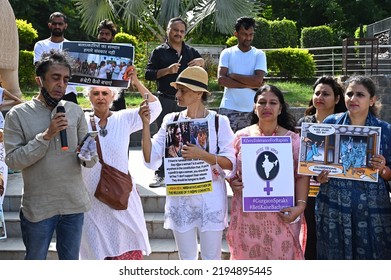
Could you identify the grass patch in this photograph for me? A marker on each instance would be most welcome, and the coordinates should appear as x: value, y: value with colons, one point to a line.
x: 296, y: 94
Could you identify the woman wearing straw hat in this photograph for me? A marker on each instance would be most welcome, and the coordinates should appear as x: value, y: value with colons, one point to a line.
x: 206, y: 213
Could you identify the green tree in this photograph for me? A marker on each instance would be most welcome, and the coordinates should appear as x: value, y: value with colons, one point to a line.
x: 154, y: 15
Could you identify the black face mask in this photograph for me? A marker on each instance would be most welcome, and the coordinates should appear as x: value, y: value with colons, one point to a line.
x: 50, y: 101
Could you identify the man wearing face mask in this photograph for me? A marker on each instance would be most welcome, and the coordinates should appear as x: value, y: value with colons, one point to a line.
x: 54, y: 195
x: 57, y: 24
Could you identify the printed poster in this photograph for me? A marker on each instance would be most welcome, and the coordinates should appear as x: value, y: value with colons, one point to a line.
x: 344, y: 150
x: 267, y: 171
x: 186, y: 177
x: 100, y: 64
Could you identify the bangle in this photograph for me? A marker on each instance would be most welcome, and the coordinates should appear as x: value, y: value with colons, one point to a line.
x: 301, y: 200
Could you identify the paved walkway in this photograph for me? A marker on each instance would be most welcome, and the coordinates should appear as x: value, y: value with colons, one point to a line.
x: 143, y: 175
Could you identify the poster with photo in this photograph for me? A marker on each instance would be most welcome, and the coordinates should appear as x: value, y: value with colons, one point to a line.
x: 100, y: 64
x: 186, y: 177
x: 267, y: 173
x: 344, y: 150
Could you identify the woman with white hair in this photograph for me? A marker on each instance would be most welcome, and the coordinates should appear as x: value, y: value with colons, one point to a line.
x: 203, y: 214
x: 109, y: 233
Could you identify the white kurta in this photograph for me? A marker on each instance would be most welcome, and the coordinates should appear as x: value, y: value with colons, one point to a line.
x: 209, y: 211
x: 108, y: 232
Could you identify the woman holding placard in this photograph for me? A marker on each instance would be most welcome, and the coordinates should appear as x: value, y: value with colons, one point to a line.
x: 353, y: 217
x: 110, y: 234
x: 327, y: 99
x: 268, y: 235
x: 204, y: 214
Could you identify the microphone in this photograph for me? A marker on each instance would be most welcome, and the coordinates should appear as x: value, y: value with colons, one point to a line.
x: 63, y: 133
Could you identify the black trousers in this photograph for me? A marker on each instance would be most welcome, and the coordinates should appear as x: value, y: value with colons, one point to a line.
x: 119, y: 103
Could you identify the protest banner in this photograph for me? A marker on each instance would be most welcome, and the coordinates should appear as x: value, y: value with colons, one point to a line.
x: 267, y: 173
x: 100, y: 64
x: 343, y: 150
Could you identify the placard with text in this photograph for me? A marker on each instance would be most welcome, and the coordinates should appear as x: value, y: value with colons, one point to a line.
x: 186, y: 177
x: 267, y: 173
x: 343, y: 150
x: 100, y: 64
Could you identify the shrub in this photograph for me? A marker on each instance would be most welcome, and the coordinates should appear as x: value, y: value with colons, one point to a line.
x: 27, y: 34
x: 263, y: 35
x: 231, y: 41
x: 122, y: 37
x: 317, y: 36
x: 284, y: 33
x: 364, y: 32
x: 26, y: 69
x: 140, y: 59
x: 289, y: 63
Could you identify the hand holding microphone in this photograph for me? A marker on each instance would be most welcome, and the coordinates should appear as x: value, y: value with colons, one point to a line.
x: 63, y: 133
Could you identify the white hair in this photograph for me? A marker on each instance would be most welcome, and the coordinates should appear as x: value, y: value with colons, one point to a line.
x: 114, y: 90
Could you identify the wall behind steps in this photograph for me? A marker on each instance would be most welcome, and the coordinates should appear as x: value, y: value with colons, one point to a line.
x: 383, y: 83
x: 383, y: 93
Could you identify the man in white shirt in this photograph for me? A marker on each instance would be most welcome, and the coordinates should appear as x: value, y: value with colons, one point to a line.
x: 241, y: 71
x: 57, y: 25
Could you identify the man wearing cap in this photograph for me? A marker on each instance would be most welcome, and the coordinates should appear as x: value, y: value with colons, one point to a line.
x: 241, y: 71
x: 166, y: 62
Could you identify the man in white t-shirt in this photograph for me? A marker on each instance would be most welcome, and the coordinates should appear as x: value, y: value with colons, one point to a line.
x: 57, y: 25
x: 241, y: 71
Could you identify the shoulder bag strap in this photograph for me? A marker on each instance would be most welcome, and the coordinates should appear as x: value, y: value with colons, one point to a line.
x: 217, y: 132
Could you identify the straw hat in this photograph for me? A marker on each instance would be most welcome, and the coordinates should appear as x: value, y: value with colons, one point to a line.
x: 194, y: 77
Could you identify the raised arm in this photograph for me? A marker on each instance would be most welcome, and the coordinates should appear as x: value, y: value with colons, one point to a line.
x: 141, y: 88
x: 146, y: 143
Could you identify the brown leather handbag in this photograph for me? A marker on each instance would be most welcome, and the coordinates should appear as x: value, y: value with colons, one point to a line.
x: 114, y: 186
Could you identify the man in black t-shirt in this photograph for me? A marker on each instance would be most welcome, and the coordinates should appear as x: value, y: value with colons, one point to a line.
x: 166, y: 62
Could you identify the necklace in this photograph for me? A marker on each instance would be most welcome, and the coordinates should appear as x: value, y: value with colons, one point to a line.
x: 103, y: 130
x: 274, y: 132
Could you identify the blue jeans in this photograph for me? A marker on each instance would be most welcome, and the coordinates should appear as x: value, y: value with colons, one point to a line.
x: 37, y: 236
